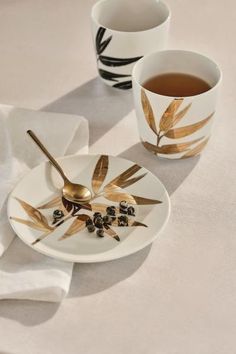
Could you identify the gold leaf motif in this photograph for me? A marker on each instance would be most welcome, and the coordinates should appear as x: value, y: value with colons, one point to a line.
x: 124, y: 176
x: 148, y: 112
x: 31, y: 224
x: 78, y: 224
x: 54, y: 203
x: 100, y: 173
x: 126, y: 183
x: 42, y: 237
x: 187, y: 130
x: 137, y: 223
x: 170, y: 148
x: 176, y: 148
x: 195, y: 151
x: 118, y: 197
x: 34, y: 214
x: 168, y: 117
x: 150, y: 147
x: 110, y: 232
x: 180, y: 115
x: 131, y: 199
x: 99, y: 207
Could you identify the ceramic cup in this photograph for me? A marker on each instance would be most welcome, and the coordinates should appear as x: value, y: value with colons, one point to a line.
x: 123, y: 32
x: 175, y: 127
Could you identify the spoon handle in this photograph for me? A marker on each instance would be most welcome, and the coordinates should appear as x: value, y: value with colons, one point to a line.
x: 47, y: 153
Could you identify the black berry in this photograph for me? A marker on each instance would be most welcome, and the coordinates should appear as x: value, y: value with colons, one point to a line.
x: 123, y: 220
x: 131, y: 211
x: 89, y: 222
x: 58, y: 214
x: 123, y: 210
x: 100, y: 233
x: 111, y: 210
x: 91, y: 228
x: 123, y: 204
x: 97, y: 214
x: 98, y: 222
x: 107, y: 219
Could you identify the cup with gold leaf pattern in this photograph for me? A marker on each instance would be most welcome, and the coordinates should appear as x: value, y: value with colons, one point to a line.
x: 173, y: 126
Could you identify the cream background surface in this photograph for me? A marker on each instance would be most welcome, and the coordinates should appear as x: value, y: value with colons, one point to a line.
x: 178, y: 296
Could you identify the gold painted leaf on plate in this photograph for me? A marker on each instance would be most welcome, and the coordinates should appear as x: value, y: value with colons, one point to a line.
x: 78, y: 224
x: 54, y: 203
x: 123, y: 177
x: 34, y: 214
x: 148, y: 112
x: 187, y: 130
x: 131, y: 199
x: 100, y: 173
x: 99, y: 207
x: 30, y: 224
x: 137, y: 223
x: 168, y: 117
x: 195, y: 151
x: 40, y: 238
x: 111, y: 232
x: 126, y: 183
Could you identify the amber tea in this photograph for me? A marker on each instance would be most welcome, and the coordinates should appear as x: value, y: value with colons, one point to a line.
x: 176, y: 85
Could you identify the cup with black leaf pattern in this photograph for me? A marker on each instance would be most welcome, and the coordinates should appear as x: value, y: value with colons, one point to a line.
x: 123, y: 32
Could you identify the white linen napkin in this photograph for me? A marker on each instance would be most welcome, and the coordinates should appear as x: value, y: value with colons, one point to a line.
x: 24, y: 273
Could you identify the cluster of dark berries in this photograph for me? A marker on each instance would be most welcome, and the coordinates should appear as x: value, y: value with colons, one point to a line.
x: 100, y: 222
x: 57, y: 215
x: 96, y: 222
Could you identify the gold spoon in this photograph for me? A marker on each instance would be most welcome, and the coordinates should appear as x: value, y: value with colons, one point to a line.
x: 72, y: 191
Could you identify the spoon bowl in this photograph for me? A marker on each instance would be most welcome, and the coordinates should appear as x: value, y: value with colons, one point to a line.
x: 76, y: 192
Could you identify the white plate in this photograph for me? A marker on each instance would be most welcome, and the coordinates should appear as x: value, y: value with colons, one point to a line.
x: 43, y: 184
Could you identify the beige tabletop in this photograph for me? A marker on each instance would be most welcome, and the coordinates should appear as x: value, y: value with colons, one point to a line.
x: 179, y: 295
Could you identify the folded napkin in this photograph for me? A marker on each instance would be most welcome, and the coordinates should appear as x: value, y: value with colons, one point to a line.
x: 24, y: 273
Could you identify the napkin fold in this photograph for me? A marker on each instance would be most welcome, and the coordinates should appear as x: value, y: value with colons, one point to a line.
x: 24, y: 273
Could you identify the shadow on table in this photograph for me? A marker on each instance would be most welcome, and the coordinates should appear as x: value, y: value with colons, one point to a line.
x: 102, y: 105
x: 92, y: 278
x: 29, y: 313
x: 172, y: 173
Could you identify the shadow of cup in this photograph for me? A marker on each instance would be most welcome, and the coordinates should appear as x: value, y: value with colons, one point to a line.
x: 102, y: 105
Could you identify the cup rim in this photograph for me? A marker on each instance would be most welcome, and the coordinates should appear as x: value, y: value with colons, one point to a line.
x: 131, y: 32
x: 140, y: 62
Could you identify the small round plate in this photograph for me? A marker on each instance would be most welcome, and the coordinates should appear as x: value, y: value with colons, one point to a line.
x: 35, y: 198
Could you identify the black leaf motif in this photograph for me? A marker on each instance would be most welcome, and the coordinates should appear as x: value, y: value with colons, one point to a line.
x: 100, y: 33
x: 107, y: 75
x: 110, y: 61
x: 124, y: 85
x: 104, y: 44
x: 101, y: 46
